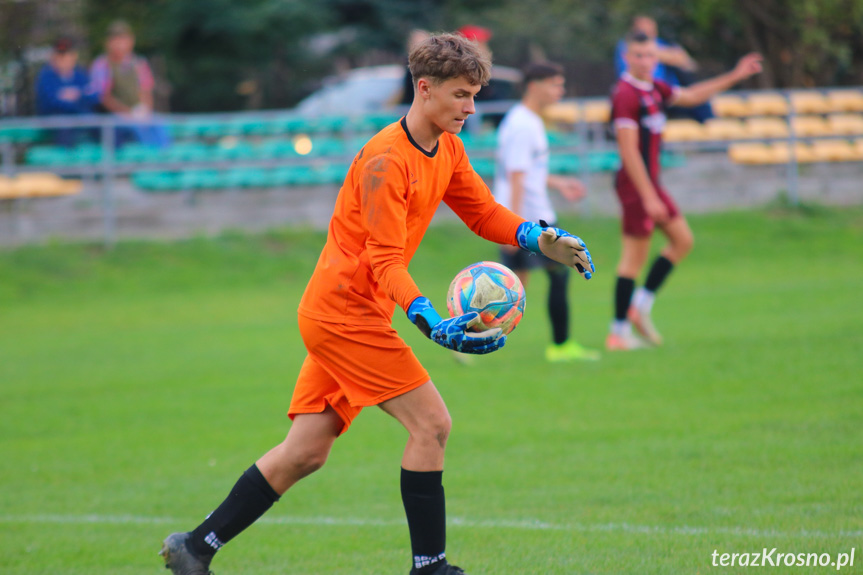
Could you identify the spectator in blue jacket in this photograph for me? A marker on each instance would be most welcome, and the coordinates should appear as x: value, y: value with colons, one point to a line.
x: 62, y: 88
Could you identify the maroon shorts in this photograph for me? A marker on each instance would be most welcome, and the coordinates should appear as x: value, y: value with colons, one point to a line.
x: 635, y: 221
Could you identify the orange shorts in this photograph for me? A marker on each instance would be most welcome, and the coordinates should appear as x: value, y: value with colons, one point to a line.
x: 351, y: 367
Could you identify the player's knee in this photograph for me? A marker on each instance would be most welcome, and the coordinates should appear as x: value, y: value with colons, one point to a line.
x: 435, y: 429
x: 684, y: 244
x: 310, y: 461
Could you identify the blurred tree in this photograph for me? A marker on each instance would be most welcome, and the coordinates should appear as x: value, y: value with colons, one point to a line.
x: 234, y: 54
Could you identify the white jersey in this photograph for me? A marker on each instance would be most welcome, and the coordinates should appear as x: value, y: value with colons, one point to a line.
x: 522, y: 146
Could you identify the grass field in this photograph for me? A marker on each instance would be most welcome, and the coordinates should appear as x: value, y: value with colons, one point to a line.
x: 136, y: 386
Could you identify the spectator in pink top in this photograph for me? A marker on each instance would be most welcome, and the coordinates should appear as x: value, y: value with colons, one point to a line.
x: 125, y: 83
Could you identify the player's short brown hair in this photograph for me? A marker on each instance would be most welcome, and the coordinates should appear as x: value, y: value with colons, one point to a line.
x: 442, y: 57
x: 539, y: 71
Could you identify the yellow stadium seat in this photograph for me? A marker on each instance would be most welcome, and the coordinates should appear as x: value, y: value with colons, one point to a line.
x: 597, y: 111
x: 725, y: 129
x: 807, y: 126
x: 845, y: 100
x: 729, y: 105
x: 562, y: 112
x: 683, y: 131
x: 767, y: 104
x: 782, y: 153
x: 7, y: 190
x: 845, y: 124
x: 858, y: 148
x: 750, y: 154
x: 809, y: 103
x: 834, y: 151
x: 43, y: 184
x: 766, y: 127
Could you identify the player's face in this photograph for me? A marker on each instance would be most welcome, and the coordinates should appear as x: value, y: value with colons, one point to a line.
x: 551, y: 90
x: 450, y: 103
x: 641, y: 59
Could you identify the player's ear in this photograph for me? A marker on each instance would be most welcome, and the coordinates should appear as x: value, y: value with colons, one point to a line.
x: 423, y: 88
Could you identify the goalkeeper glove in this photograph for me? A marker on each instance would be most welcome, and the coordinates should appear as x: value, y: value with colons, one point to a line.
x: 453, y: 333
x: 556, y: 244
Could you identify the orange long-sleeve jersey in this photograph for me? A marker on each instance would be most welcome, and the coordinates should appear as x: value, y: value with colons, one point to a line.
x: 382, y: 212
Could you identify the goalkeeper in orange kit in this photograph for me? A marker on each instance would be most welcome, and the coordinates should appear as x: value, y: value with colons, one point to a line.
x: 355, y: 358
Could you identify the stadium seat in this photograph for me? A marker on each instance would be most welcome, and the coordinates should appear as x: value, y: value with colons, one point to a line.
x: 38, y: 184
x: 834, y: 151
x: 730, y: 105
x: 782, y: 153
x: 562, y: 113
x: 845, y: 124
x: 199, y: 179
x: 845, y: 100
x: 809, y: 126
x: 766, y: 127
x: 603, y: 161
x: 750, y: 154
x: 809, y: 103
x: 858, y: 148
x: 683, y: 131
x: 725, y: 129
x: 47, y: 156
x: 564, y: 164
x: 597, y: 111
x: 767, y: 104
x: 154, y: 181
x: 20, y: 135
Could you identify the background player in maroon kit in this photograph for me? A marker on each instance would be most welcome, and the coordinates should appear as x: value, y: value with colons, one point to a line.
x: 638, y: 104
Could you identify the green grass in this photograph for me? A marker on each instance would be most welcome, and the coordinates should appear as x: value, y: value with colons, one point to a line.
x: 136, y: 385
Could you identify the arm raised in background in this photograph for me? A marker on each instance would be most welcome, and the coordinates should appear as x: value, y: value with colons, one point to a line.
x: 700, y: 92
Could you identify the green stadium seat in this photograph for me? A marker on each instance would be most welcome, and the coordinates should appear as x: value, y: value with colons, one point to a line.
x: 564, y: 164
x: 156, y: 181
x: 199, y: 179
x: 21, y: 135
x: 47, y: 156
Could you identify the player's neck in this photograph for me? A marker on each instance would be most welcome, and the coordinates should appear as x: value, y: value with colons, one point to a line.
x: 423, y: 131
x: 533, y: 104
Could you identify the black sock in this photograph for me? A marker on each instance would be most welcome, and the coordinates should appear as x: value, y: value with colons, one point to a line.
x: 622, y: 296
x: 425, y: 508
x: 558, y: 307
x: 660, y: 269
x: 250, y: 498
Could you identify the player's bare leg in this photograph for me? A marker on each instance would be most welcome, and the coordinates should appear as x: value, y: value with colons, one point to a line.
x: 633, y: 256
x: 304, y: 450
x: 680, y: 241
x: 423, y: 413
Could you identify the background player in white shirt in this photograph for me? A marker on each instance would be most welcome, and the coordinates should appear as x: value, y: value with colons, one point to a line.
x: 521, y: 184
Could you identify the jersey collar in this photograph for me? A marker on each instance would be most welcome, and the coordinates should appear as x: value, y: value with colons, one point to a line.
x: 640, y: 84
x: 431, y: 154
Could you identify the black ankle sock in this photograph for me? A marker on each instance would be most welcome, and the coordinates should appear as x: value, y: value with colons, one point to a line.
x: 622, y: 296
x: 250, y: 498
x: 425, y: 508
x: 660, y: 269
x: 558, y: 307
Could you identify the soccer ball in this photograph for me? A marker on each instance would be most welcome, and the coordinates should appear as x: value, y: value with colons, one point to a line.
x: 492, y: 290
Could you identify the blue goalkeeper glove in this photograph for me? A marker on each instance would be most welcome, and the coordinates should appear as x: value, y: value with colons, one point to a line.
x: 556, y: 244
x: 453, y: 333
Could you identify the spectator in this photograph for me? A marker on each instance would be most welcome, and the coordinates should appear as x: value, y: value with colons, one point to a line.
x: 125, y: 83
x: 62, y: 88
x: 676, y: 67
